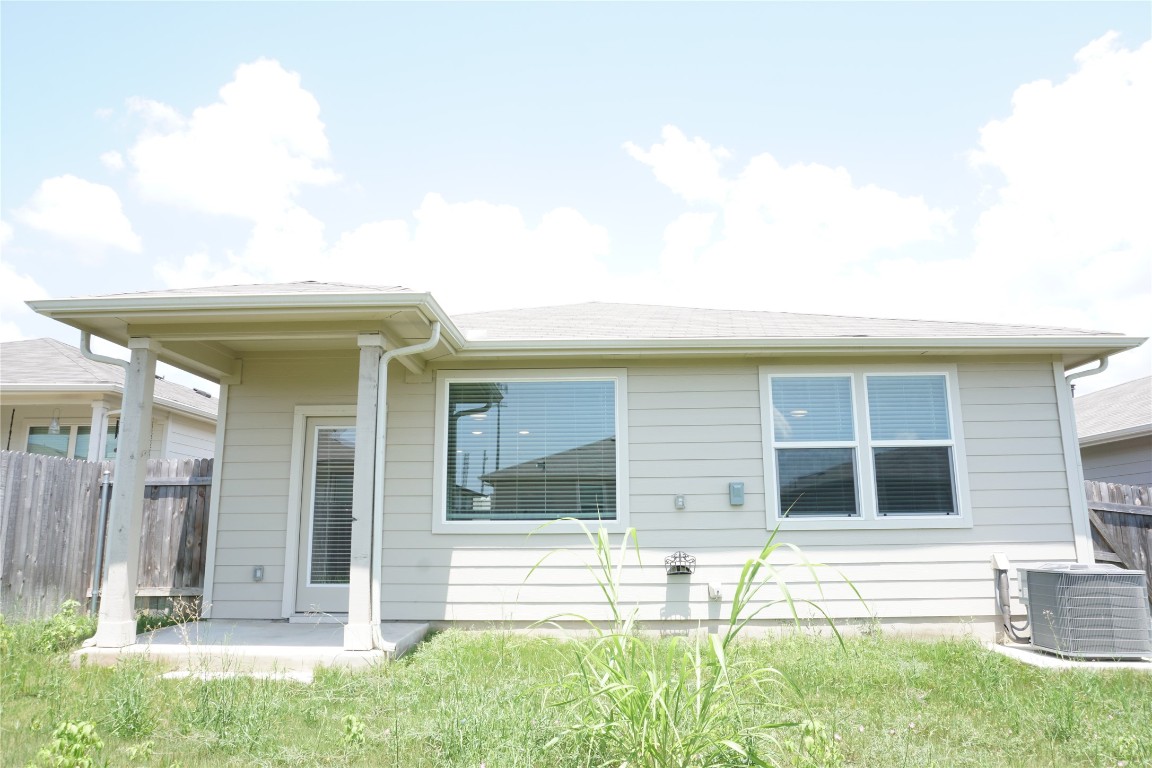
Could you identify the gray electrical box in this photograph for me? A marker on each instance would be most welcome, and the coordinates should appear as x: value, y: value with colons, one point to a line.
x: 736, y: 493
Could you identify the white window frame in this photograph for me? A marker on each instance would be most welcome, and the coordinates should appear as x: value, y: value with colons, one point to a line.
x: 440, y: 522
x: 72, y: 425
x: 867, y: 519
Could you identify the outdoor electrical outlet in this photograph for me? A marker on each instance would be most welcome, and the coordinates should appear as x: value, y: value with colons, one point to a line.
x: 258, y: 573
x: 678, y: 500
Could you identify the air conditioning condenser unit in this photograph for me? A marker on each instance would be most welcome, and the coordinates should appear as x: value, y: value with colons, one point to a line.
x: 1088, y: 611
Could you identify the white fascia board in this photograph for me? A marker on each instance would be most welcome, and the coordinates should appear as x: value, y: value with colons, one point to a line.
x: 1116, y: 435
x: 237, y: 305
x: 871, y: 344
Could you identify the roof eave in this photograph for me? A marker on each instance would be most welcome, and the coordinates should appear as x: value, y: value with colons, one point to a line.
x: 1116, y: 435
x: 1075, y: 351
x: 111, y: 318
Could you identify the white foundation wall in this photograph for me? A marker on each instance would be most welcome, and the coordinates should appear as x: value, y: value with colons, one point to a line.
x: 692, y: 428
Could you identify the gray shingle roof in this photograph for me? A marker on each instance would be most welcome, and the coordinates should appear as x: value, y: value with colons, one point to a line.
x: 1126, y: 406
x: 641, y: 321
x: 263, y: 289
x: 49, y: 362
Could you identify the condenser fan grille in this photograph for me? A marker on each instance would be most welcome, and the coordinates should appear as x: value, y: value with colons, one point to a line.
x: 1088, y: 611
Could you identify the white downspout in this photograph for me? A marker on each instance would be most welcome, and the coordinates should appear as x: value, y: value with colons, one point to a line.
x: 378, y: 480
x: 1081, y: 522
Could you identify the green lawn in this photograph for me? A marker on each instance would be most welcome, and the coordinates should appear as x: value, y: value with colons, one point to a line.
x: 492, y: 699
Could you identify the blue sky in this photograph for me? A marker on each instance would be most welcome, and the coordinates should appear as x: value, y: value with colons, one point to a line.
x: 974, y: 161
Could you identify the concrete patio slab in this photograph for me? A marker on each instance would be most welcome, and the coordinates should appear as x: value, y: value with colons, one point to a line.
x: 216, y: 646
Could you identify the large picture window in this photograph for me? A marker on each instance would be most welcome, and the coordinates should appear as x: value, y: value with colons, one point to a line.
x: 873, y: 446
x: 529, y: 448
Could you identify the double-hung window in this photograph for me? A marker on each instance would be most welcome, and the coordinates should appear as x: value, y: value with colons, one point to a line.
x: 516, y: 449
x: 865, y: 448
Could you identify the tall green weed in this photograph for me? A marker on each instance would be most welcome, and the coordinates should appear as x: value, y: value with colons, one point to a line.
x: 676, y: 702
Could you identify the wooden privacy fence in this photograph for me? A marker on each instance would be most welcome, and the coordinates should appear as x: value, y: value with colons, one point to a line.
x: 49, y: 511
x: 1121, y: 517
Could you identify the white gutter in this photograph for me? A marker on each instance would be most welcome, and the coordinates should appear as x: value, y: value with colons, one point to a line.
x: 378, y: 480
x: 1128, y: 433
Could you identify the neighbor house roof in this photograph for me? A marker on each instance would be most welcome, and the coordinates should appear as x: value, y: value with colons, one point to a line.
x: 48, y: 365
x: 1117, y: 413
x: 209, y: 330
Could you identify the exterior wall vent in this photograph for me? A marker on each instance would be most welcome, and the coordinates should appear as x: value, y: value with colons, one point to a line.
x: 1088, y: 611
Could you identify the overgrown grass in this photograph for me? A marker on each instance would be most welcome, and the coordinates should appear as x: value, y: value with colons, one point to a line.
x: 649, y: 703
x: 471, y: 699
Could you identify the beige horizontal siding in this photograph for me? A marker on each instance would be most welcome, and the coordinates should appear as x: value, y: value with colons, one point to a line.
x: 189, y: 439
x: 691, y: 429
x: 254, y: 476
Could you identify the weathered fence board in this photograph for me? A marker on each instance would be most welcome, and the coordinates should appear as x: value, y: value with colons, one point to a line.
x: 1121, y: 517
x: 48, y: 532
x: 48, y: 520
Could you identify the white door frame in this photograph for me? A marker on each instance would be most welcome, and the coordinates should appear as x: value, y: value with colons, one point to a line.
x: 298, y: 466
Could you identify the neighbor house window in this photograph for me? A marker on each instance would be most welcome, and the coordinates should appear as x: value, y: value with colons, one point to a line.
x: 530, y: 447
x: 71, y: 442
x: 861, y: 445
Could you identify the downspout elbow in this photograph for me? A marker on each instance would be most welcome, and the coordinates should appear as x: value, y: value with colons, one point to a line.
x: 415, y: 349
x: 1090, y: 372
x: 86, y: 350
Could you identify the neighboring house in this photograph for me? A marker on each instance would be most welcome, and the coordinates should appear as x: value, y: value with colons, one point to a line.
x: 1115, y: 430
x: 384, y: 461
x: 54, y: 400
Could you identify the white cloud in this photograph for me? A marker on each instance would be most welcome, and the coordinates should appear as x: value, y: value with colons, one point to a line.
x: 770, y: 231
x: 80, y: 212
x: 247, y: 155
x: 1068, y: 237
x: 112, y: 160
x: 15, y: 289
x: 472, y: 255
x: 5, y: 233
x: 691, y: 169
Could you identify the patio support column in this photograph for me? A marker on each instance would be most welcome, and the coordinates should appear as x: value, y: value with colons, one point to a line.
x: 358, y: 632
x: 117, y: 622
x: 98, y: 436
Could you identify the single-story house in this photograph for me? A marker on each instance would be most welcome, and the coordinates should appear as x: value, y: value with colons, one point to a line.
x: 1115, y: 430
x: 53, y: 399
x: 380, y: 460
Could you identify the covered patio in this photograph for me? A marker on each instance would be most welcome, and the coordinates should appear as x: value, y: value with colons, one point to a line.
x: 211, y: 333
